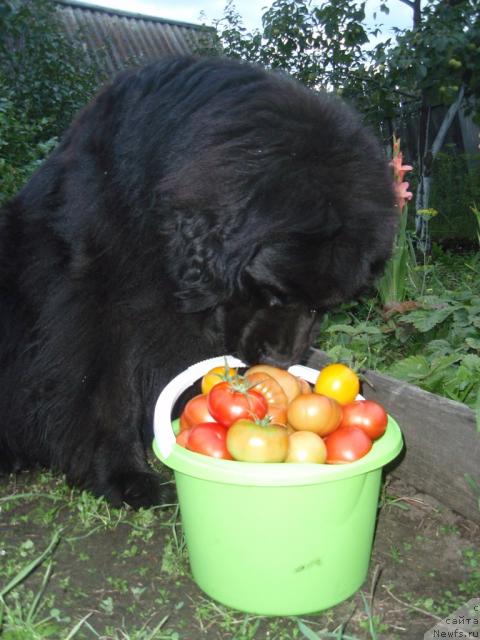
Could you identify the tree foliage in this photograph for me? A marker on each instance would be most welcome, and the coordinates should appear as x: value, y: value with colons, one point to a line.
x: 44, y: 79
x: 319, y: 45
x: 329, y: 46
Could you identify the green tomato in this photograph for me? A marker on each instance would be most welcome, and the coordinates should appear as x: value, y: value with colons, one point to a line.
x: 257, y: 441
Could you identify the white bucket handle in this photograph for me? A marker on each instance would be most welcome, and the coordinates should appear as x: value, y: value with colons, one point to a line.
x: 164, y: 436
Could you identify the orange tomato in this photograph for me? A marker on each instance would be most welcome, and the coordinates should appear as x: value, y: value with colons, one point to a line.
x: 339, y: 382
x: 288, y: 382
x: 304, y: 385
x: 314, y: 412
x: 273, y: 394
x: 183, y: 436
x: 195, y: 412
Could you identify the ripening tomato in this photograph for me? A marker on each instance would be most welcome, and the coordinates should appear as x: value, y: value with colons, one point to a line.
x: 183, y: 436
x: 339, y: 382
x: 306, y: 446
x: 313, y: 412
x: 259, y: 441
x: 209, y: 438
x: 214, y: 376
x: 304, y: 385
x: 368, y: 415
x: 227, y: 404
x: 347, y: 445
x: 288, y: 382
x: 195, y: 412
x: 273, y: 394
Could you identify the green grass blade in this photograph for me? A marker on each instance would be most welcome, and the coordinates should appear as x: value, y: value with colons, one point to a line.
x: 154, y: 631
x: 26, y: 571
x: 80, y: 623
x: 307, y: 632
x: 22, y: 496
x: 311, y: 635
x: 368, y: 611
x: 34, y: 606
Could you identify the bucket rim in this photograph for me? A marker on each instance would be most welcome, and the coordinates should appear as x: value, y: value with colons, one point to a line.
x: 196, y: 465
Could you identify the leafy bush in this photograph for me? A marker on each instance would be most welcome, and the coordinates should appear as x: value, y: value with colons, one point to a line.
x: 19, y: 153
x: 44, y: 80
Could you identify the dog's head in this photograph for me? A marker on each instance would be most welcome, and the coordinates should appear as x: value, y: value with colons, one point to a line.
x: 270, y: 203
x: 284, y: 209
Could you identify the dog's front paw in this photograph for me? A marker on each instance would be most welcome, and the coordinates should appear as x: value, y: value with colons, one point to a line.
x: 140, y: 489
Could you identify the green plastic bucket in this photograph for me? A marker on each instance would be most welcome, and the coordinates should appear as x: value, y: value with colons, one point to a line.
x: 273, y: 539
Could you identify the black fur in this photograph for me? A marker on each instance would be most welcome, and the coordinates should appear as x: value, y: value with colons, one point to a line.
x: 194, y: 208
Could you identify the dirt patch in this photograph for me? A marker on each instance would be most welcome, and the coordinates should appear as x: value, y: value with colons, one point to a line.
x: 118, y: 574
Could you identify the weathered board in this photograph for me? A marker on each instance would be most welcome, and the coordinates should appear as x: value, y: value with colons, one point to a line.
x: 442, y: 446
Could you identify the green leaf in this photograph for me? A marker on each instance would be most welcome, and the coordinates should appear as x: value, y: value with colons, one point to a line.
x: 425, y: 320
x: 438, y: 371
x: 472, y: 363
x: 411, y: 369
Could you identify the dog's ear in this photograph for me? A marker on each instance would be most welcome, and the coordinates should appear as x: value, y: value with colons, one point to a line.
x: 196, y: 264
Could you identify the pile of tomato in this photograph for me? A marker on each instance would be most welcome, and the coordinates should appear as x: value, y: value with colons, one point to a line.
x: 270, y: 415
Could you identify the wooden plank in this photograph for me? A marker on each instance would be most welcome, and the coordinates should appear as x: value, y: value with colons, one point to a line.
x: 442, y: 445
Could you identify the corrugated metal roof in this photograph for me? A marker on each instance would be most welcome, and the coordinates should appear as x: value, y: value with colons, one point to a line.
x: 119, y: 39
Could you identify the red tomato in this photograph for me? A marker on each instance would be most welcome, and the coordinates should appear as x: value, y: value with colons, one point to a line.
x: 182, y: 437
x: 273, y: 394
x: 195, y: 412
x: 227, y: 405
x: 251, y: 441
x: 368, y: 415
x: 209, y: 438
x: 347, y: 445
x: 313, y: 412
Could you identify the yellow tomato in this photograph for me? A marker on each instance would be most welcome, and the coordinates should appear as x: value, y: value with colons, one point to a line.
x: 213, y: 377
x: 339, y: 382
x: 306, y: 446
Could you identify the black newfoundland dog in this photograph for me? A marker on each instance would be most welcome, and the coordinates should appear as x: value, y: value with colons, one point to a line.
x: 196, y: 207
